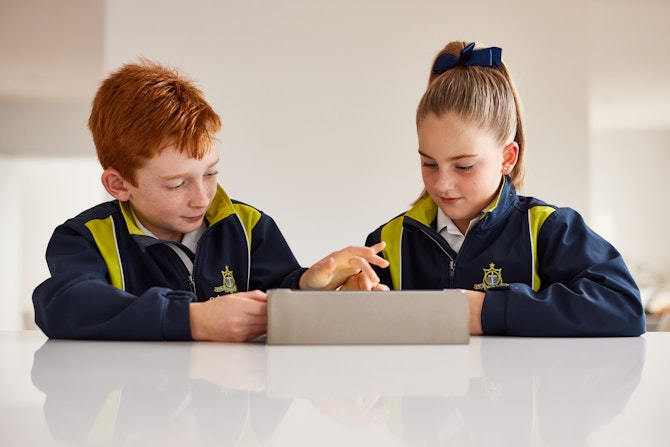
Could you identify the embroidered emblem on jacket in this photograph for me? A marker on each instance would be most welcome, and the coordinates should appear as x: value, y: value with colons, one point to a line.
x: 229, y: 285
x: 492, y: 278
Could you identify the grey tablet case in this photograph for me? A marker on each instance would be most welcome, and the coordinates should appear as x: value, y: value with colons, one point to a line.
x: 297, y: 317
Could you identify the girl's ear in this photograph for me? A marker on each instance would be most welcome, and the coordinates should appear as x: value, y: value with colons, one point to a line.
x: 115, y: 184
x: 510, y: 157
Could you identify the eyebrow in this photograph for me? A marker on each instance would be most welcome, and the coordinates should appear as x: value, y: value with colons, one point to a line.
x: 458, y: 157
x: 182, y: 175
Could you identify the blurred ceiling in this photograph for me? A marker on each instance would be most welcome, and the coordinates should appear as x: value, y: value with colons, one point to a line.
x: 51, y: 61
x: 50, y: 50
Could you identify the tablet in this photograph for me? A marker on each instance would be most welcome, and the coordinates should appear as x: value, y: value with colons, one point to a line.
x: 300, y: 317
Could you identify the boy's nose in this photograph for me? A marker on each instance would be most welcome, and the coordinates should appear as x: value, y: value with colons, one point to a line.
x: 200, y: 197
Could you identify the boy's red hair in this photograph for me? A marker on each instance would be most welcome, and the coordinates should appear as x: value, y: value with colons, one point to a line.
x: 142, y: 108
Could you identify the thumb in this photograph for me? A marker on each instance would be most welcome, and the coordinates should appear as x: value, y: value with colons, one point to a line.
x: 318, y: 276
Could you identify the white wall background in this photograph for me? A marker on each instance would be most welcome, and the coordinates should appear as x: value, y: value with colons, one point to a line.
x: 629, y: 132
x: 317, y: 100
x: 38, y: 194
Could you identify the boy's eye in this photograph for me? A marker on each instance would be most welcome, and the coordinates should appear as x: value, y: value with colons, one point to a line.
x: 464, y: 168
x: 176, y: 186
x: 427, y: 164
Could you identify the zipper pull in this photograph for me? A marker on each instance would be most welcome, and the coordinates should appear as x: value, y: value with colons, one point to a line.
x: 191, y: 283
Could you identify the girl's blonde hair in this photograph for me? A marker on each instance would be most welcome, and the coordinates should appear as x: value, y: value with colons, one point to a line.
x: 482, y: 95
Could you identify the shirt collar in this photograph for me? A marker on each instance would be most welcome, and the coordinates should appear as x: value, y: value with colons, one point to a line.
x: 445, y: 223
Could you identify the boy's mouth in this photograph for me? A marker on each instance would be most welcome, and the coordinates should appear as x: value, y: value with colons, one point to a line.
x: 194, y: 218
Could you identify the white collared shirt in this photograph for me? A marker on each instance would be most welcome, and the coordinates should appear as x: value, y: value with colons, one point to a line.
x: 450, y: 232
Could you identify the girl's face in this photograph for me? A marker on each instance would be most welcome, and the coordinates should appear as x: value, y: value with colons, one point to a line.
x: 461, y: 165
x: 173, y: 192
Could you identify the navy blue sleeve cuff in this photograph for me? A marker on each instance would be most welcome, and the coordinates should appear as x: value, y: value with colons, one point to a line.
x: 176, y: 322
x: 292, y: 281
x: 494, y: 321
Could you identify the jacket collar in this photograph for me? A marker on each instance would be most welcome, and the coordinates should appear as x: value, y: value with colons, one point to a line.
x: 220, y: 208
x: 424, y: 210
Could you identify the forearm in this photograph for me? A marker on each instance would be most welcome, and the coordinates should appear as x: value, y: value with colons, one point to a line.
x: 87, y: 308
x: 560, y: 311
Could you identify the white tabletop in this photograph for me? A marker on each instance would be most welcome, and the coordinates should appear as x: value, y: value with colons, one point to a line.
x: 495, y: 391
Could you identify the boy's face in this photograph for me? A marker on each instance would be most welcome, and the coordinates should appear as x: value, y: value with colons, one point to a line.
x: 461, y: 166
x: 173, y: 192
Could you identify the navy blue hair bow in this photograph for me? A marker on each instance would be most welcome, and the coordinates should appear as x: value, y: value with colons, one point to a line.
x: 484, y: 57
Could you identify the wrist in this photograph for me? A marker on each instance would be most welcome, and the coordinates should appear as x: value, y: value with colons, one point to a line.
x: 302, y: 282
x: 195, y: 321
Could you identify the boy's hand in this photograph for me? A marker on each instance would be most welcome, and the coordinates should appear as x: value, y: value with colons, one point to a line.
x: 335, y: 269
x: 362, y: 282
x: 236, y: 317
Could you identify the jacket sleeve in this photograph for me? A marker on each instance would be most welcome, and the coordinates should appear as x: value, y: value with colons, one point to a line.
x: 383, y: 273
x: 586, y: 288
x: 78, y: 301
x: 272, y: 261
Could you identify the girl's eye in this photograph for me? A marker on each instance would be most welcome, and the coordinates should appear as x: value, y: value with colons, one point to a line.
x: 212, y: 174
x: 464, y: 168
x: 427, y: 164
x: 176, y: 186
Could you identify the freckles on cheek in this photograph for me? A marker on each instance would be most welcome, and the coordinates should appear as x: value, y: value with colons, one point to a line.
x: 169, y: 202
x: 162, y: 200
x: 428, y: 183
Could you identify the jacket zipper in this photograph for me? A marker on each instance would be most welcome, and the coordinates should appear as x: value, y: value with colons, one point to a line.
x: 191, y: 283
x: 452, y: 261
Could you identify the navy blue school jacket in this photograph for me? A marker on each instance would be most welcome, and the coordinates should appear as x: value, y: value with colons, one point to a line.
x: 544, y: 271
x: 111, y: 281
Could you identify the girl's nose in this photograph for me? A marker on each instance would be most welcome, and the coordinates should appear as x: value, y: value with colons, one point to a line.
x: 444, y: 181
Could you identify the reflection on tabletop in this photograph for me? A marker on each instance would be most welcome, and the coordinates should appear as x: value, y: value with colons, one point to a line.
x: 490, y: 392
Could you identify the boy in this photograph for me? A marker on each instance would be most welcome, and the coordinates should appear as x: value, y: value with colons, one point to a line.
x: 146, y: 265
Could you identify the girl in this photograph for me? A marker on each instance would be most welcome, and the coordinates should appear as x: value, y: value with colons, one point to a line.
x: 528, y: 268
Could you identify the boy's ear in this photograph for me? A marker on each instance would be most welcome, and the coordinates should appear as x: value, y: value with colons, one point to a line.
x: 115, y: 184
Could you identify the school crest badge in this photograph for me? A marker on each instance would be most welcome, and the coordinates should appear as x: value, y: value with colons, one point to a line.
x: 229, y: 285
x: 492, y: 278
